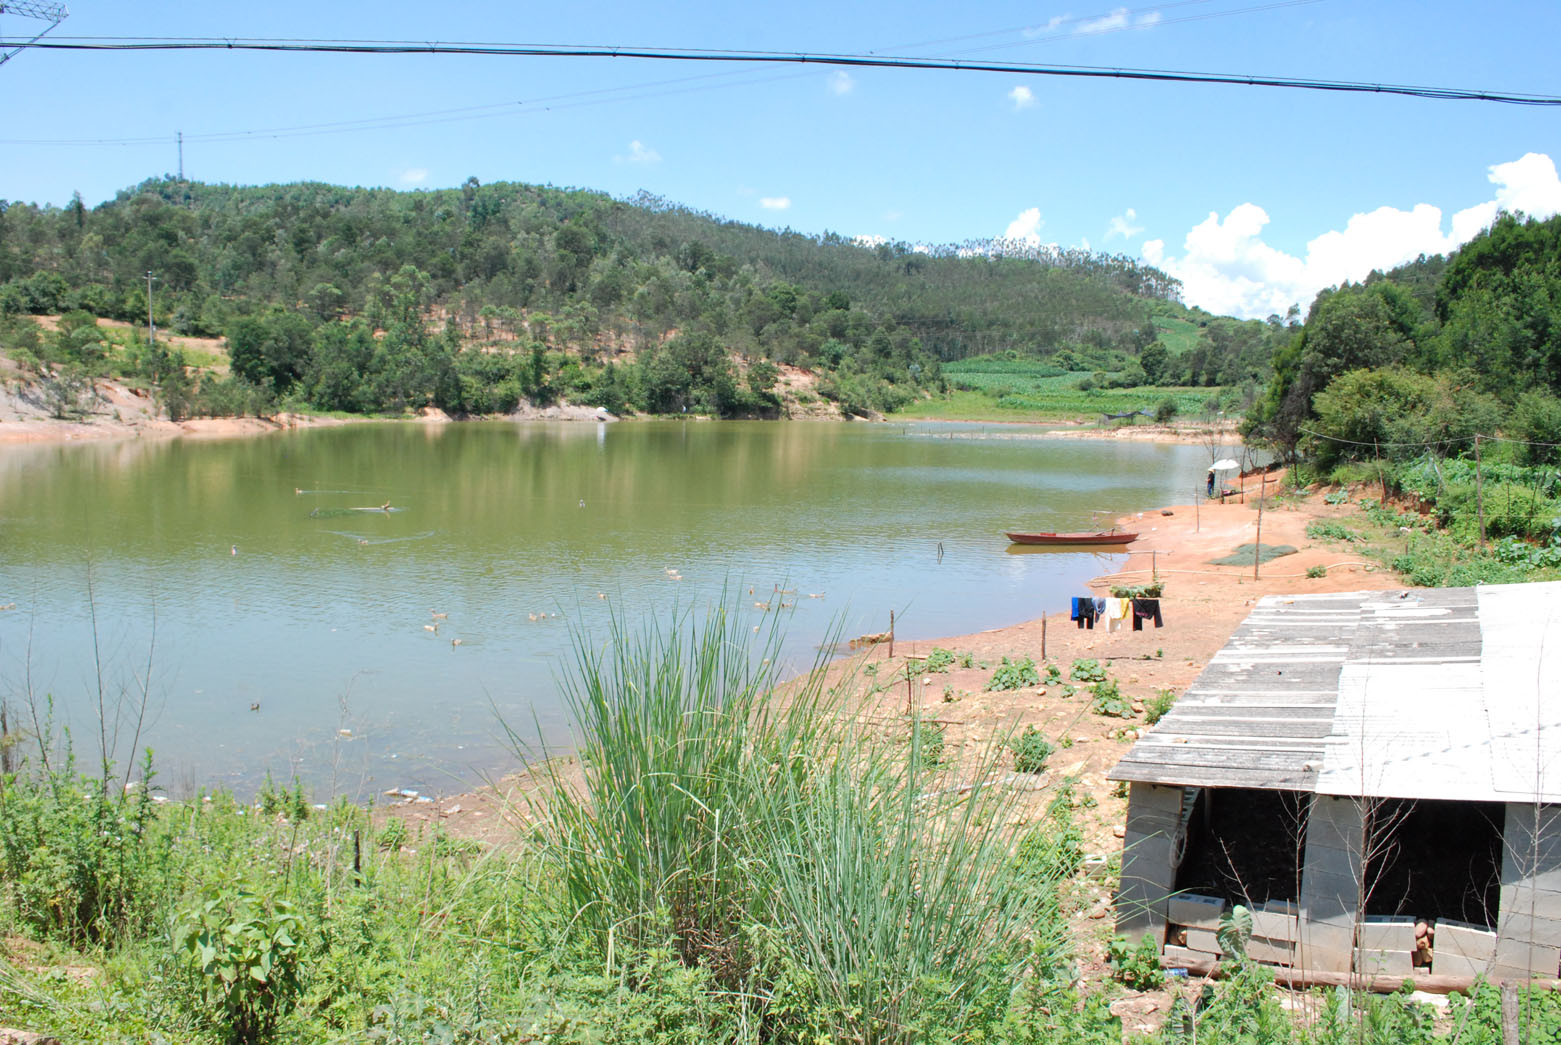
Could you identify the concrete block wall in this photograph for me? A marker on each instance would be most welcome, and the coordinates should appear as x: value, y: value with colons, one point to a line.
x: 1528, y: 926
x: 1330, y: 885
x: 1463, y: 950
x: 1153, y: 817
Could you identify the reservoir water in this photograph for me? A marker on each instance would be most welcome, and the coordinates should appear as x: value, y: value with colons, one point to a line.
x: 279, y: 618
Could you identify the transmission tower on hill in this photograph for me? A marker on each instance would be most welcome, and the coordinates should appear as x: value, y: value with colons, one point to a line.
x: 54, y: 14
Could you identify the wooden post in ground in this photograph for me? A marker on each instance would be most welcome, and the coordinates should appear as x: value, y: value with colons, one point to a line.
x: 1197, y: 521
x: 891, y: 634
x: 1043, y: 636
x: 1509, y: 1014
x: 1257, y: 549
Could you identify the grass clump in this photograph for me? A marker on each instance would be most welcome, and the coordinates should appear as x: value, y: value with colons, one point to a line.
x: 1159, y: 705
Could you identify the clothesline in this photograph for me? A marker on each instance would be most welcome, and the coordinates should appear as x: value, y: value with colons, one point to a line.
x: 1086, y: 610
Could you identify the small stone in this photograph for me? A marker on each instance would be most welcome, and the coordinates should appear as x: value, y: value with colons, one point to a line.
x: 1134, y: 1006
x: 1118, y: 831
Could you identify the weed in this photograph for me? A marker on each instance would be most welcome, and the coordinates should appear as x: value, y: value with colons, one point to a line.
x: 1031, y: 750
x: 1156, y: 707
x: 1107, y: 699
x: 1135, y: 966
x: 949, y: 696
x: 1316, y: 572
x: 939, y: 659
x: 1014, y: 675
x: 245, y: 951
x: 1087, y: 670
x: 967, y: 660
x: 1331, y: 530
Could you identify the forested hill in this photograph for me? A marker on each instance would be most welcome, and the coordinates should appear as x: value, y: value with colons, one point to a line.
x: 1423, y: 358
x: 649, y: 302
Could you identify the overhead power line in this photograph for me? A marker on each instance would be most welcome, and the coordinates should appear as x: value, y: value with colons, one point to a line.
x: 54, y: 14
x: 404, y: 47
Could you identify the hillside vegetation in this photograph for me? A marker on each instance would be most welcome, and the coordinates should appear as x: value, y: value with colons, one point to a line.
x: 1439, y: 381
x: 470, y: 299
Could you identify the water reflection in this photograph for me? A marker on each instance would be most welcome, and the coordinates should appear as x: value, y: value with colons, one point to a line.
x: 514, y: 534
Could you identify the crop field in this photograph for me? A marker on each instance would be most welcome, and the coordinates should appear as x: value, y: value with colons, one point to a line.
x: 991, y: 389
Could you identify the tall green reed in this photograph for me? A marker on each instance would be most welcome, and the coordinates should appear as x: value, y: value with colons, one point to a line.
x: 775, y: 839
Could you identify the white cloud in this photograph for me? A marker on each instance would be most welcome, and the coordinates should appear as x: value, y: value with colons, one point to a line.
x: 1228, y: 269
x: 869, y: 240
x: 1026, y: 228
x: 639, y: 153
x: 1117, y: 19
x: 775, y: 202
x: 841, y: 82
x: 1122, y: 225
x: 1152, y: 18
x: 413, y: 176
x: 1022, y: 97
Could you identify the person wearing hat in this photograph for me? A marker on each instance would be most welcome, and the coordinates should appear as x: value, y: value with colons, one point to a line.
x: 1211, y: 482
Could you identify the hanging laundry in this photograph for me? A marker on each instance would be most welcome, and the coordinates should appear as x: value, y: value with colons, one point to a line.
x: 1084, y: 613
x: 1146, y: 609
x: 1117, y: 611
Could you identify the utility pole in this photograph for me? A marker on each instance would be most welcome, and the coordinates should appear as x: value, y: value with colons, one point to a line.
x: 181, y: 155
x: 151, y: 327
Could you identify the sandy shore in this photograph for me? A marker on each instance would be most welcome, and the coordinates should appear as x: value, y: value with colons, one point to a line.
x: 121, y: 412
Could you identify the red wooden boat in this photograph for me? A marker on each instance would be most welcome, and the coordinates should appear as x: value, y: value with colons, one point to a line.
x: 1074, y: 539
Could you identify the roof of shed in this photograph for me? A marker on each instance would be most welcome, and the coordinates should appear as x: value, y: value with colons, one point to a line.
x: 1437, y: 693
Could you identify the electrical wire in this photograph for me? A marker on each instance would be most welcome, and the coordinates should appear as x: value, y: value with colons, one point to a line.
x: 393, y: 47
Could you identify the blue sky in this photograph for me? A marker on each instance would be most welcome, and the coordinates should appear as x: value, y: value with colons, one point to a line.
x: 1255, y: 197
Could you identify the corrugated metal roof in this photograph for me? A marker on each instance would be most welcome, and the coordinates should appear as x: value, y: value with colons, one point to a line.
x: 1431, y: 693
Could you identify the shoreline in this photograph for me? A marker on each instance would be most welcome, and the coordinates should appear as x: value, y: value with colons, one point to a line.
x: 1203, y: 605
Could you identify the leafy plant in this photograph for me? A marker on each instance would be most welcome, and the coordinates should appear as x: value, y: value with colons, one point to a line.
x: 939, y: 659
x: 1108, y: 700
x: 1135, y: 966
x: 1331, y: 530
x: 1316, y: 572
x: 1053, y: 674
x: 1014, y: 675
x: 1336, y: 497
x: 1235, y: 931
x: 1031, y: 750
x: 967, y: 660
x: 245, y: 952
x: 1087, y: 670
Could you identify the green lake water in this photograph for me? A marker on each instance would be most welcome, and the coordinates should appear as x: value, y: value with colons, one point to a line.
x: 263, y: 571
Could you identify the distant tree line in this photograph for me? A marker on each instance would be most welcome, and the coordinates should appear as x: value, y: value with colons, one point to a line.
x: 472, y: 299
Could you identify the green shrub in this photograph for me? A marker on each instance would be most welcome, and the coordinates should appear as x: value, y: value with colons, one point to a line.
x: 1014, y: 675
x: 245, y: 952
x: 1165, y: 410
x: 1316, y: 572
x: 80, y: 860
x: 1537, y: 420
x: 1031, y: 750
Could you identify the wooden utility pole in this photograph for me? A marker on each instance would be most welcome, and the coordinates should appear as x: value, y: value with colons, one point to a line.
x: 151, y: 327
